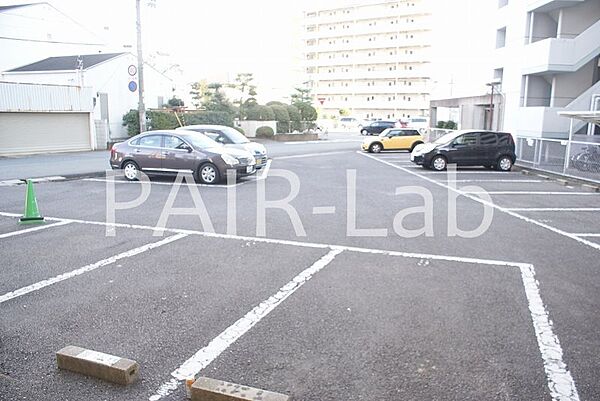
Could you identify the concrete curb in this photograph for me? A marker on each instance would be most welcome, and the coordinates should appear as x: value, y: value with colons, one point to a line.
x: 107, y: 367
x: 206, y: 389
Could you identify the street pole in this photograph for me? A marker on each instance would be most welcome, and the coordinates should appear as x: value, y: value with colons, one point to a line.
x: 140, y: 60
x: 492, y: 108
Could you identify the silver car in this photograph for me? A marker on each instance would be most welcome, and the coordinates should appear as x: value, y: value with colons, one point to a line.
x: 231, y: 138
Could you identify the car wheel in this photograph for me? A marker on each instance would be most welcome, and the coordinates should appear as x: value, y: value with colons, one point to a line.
x: 375, y: 148
x: 439, y: 163
x: 208, y: 174
x: 364, y: 132
x: 504, y: 163
x: 131, y: 171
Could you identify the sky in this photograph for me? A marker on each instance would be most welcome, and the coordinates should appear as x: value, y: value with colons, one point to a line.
x: 214, y: 40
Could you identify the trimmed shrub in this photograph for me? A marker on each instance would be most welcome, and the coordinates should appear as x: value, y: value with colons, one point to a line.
x: 240, y: 130
x: 281, y: 113
x: 441, y: 124
x: 208, y: 117
x: 264, y: 132
x: 132, y: 122
x: 161, y: 120
x: 307, y: 112
x: 450, y: 125
x: 293, y: 112
x: 260, y: 113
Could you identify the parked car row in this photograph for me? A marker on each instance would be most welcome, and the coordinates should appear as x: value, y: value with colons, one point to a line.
x: 206, y: 151
x: 493, y: 150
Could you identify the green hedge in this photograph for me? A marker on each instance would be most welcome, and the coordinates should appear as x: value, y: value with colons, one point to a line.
x: 157, y: 120
x: 264, y: 132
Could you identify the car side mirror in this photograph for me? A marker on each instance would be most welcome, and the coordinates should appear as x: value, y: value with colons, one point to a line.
x: 187, y: 147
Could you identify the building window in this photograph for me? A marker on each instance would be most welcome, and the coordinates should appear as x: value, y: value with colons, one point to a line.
x: 501, y: 38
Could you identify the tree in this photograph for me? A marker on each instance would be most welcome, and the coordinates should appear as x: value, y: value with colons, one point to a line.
x: 302, y: 95
x: 216, y: 99
x: 199, y: 93
x: 243, y: 83
x: 175, y: 102
x: 260, y: 113
x: 307, y: 112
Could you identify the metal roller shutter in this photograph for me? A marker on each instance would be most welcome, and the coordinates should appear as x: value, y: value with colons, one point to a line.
x: 43, y: 132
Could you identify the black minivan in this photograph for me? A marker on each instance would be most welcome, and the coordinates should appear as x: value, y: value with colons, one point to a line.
x: 467, y: 148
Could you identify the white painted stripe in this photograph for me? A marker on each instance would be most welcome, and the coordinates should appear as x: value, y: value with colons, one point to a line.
x: 458, y: 172
x: 264, y: 172
x: 560, y: 382
x: 533, y: 193
x: 492, y: 180
x: 291, y: 242
x: 117, y: 181
x: 587, y: 234
x: 230, y: 335
x: 11, y: 183
x: 33, y: 229
x: 554, y: 209
x: 77, y: 272
x: 325, y: 141
x: 491, y: 204
x: 311, y: 155
x: 51, y: 178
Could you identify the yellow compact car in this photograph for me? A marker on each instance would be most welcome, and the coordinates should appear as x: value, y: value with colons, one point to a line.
x: 393, y: 139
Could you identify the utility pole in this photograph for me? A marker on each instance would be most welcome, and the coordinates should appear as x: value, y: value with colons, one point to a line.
x: 140, y: 60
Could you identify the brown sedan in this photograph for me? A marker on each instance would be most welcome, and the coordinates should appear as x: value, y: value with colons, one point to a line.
x: 172, y: 152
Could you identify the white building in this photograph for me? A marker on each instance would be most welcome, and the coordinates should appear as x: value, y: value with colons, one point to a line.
x: 109, y: 75
x: 31, y: 32
x: 547, y: 60
x: 369, y: 57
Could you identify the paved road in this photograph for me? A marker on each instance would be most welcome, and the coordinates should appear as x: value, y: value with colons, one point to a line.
x: 325, y: 316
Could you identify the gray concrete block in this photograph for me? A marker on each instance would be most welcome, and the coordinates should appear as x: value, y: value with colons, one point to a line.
x: 97, y: 364
x: 206, y: 389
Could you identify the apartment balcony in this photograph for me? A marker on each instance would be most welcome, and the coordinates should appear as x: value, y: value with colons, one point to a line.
x: 542, y: 122
x: 413, y: 90
x: 549, y: 5
x: 562, y: 55
x: 366, y: 60
x: 374, y: 14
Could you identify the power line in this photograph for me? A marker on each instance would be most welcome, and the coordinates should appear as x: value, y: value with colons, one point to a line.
x: 51, y: 41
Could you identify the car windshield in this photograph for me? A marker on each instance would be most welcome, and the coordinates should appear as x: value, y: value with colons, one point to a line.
x: 235, y: 136
x: 385, y: 132
x: 200, y: 141
x: 447, y: 138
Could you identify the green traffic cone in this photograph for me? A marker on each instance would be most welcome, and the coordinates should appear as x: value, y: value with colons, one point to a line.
x: 32, y: 214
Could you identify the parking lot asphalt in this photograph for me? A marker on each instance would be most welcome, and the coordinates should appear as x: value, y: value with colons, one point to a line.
x: 319, y: 310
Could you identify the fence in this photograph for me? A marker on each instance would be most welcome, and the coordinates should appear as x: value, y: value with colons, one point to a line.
x: 578, y: 159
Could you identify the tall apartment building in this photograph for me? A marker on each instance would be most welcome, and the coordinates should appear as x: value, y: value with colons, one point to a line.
x: 547, y: 60
x: 369, y: 57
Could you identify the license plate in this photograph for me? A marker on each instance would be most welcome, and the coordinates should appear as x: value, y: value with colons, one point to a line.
x: 249, y: 169
x: 258, y: 160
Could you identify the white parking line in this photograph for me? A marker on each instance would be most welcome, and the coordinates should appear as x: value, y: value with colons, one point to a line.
x: 533, y: 193
x: 554, y: 209
x: 587, y: 235
x: 288, y: 242
x: 560, y: 382
x: 33, y: 229
x: 492, y: 180
x: 230, y: 335
x: 77, y: 272
x: 325, y: 141
x: 312, y: 155
x: 495, y: 206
